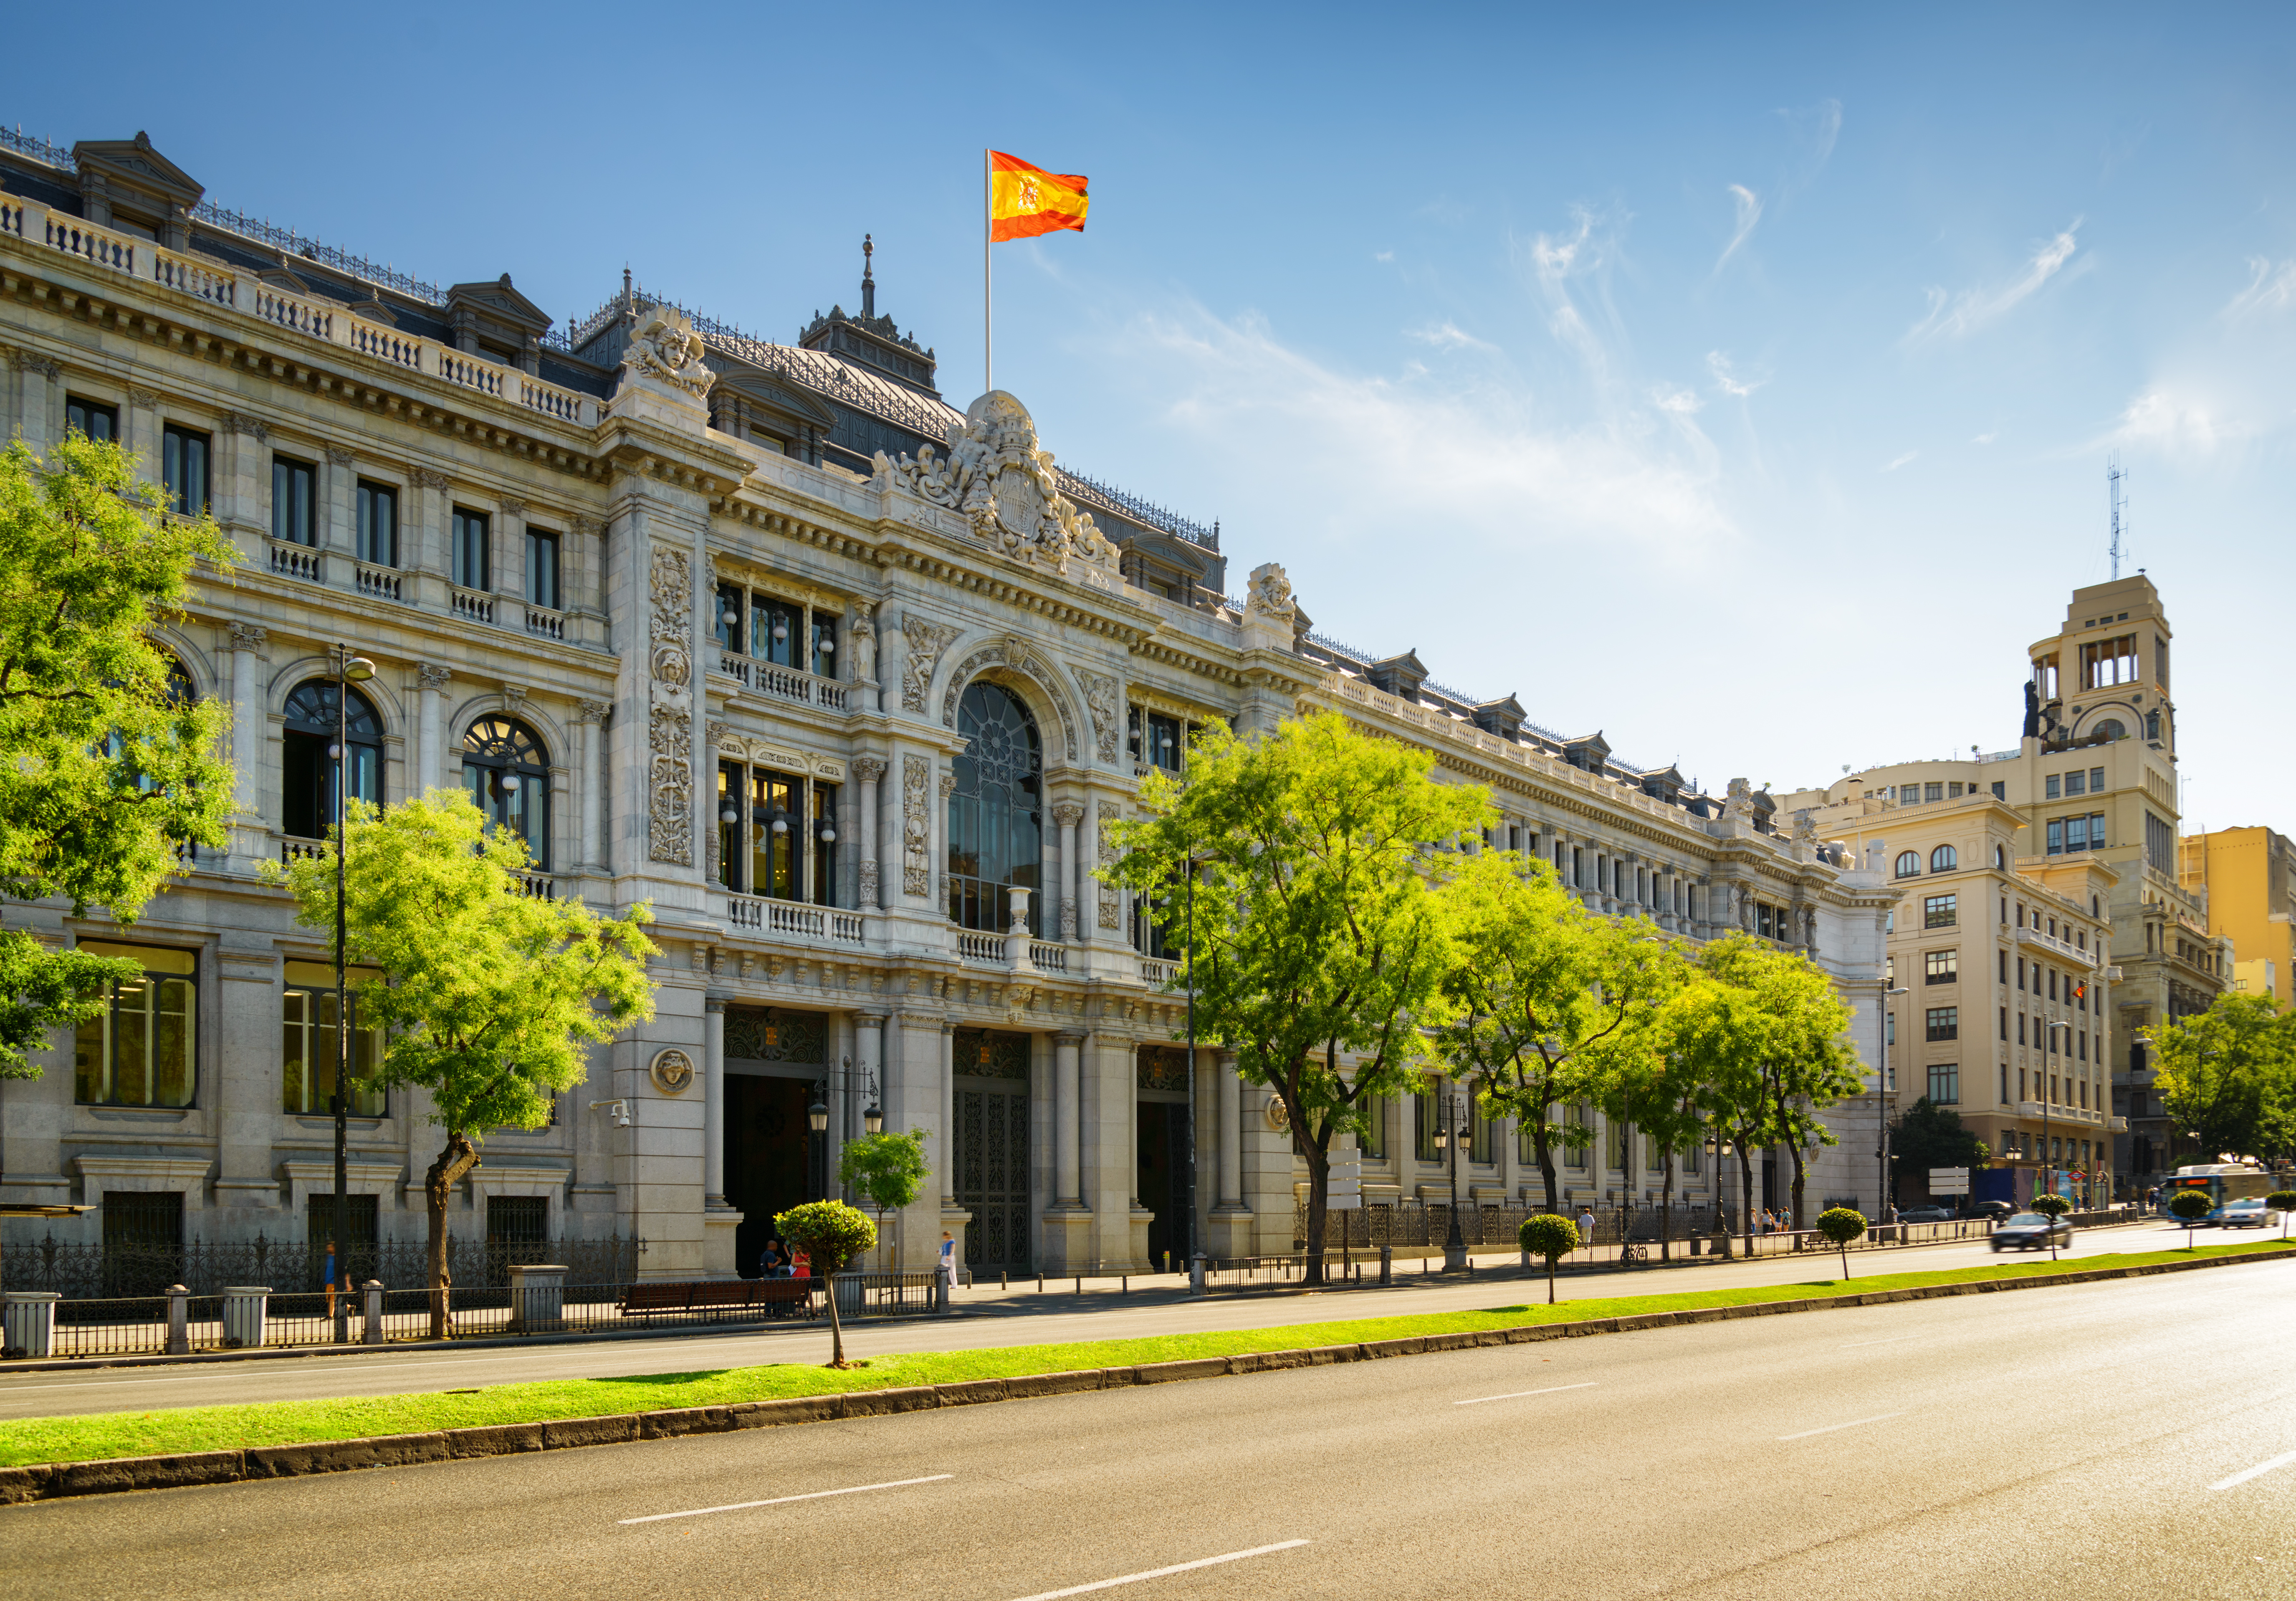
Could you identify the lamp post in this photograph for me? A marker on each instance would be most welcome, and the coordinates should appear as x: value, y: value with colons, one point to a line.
x: 1724, y: 1150
x: 1446, y: 1140
x: 1882, y: 1090
x: 349, y: 669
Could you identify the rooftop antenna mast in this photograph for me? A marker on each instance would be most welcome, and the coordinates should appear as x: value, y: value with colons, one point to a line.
x: 2113, y: 476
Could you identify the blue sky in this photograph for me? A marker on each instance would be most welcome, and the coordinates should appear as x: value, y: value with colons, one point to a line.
x: 1739, y: 383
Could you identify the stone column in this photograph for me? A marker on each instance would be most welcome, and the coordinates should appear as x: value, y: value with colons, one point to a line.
x: 1067, y: 1186
x: 247, y: 642
x: 430, y: 741
x: 39, y: 379
x: 868, y: 1064
x: 947, y: 1155
x: 424, y: 540
x: 508, y: 556
x: 713, y: 1105
x: 141, y: 426
x: 867, y: 772
x: 1067, y: 815
x: 938, y: 826
x: 590, y: 781
x: 242, y: 488
x: 339, y: 528
x: 581, y: 569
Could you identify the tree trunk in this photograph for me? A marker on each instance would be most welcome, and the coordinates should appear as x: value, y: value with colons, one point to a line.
x: 836, y: 1329
x: 1545, y: 1150
x: 1550, y: 1281
x: 1798, y: 1182
x: 457, y: 1158
x: 1845, y: 1261
x: 1666, y: 1211
x: 1319, y: 1179
x: 1746, y: 1196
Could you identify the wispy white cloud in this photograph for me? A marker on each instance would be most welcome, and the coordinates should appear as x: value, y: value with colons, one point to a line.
x: 1383, y: 256
x: 1448, y: 336
x: 1954, y: 316
x: 1726, y: 378
x: 1893, y: 465
x: 1749, y: 212
x: 2268, y: 289
x: 1481, y: 459
x: 1571, y: 274
x: 2173, y: 424
x: 1987, y: 438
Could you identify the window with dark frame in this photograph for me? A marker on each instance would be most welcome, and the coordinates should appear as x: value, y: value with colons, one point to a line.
x: 1944, y: 1022
x: 183, y: 470
x: 1937, y: 911
x: 91, y: 419
x: 471, y: 569
x: 542, y: 569
x: 292, y: 486
x: 1941, y: 966
x: 377, y: 531
x: 1945, y: 1083
x: 142, y: 1048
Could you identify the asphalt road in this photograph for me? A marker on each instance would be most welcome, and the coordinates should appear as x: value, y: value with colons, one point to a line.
x: 1021, y: 1317
x: 2100, y: 1440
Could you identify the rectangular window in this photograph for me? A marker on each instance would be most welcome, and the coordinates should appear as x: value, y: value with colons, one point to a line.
x: 2004, y: 967
x: 1941, y: 966
x: 2057, y: 838
x: 1938, y: 912
x: 1575, y: 1145
x: 142, y: 1049
x: 1945, y: 1022
x: 2160, y: 662
x: 2097, y: 781
x: 2076, y: 834
x: 2076, y: 782
x: 824, y: 844
x: 732, y: 603
x: 776, y: 630
x: 1945, y: 1083
x: 542, y: 569
x: 2021, y: 1028
x: 1763, y: 924
x: 2080, y: 1045
x: 2052, y: 983
x: 2159, y: 845
x: 1622, y: 1144
x: 1933, y: 792
x: 1371, y: 1139
x: 291, y: 483
x: 1424, y: 1116
x: 2001, y: 790
x: 91, y: 419
x: 1953, y: 792
x: 359, y: 1217
x: 378, y: 524
x: 471, y: 569
x: 772, y: 852
x: 2005, y: 1023
x: 824, y: 645
x: 2096, y: 830
x: 2052, y: 787
x: 183, y: 470
x: 308, y: 1044
x: 1889, y: 1028
x: 730, y: 833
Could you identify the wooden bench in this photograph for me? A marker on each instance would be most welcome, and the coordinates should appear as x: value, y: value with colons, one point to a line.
x: 766, y: 1297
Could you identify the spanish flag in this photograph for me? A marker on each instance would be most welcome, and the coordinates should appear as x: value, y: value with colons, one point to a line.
x: 1025, y: 200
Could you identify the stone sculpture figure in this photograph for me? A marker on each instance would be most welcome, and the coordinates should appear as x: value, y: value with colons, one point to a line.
x: 996, y: 478
x: 665, y: 348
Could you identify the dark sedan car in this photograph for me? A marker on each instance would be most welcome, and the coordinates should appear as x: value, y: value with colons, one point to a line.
x: 1925, y: 1214
x: 2030, y: 1231
x: 1990, y: 1209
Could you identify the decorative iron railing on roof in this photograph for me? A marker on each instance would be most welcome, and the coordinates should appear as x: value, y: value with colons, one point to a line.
x: 1143, y: 511
x: 38, y: 148
x: 379, y: 274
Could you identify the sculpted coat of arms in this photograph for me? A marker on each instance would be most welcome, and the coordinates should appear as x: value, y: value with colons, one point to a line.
x: 664, y: 346
x: 996, y: 478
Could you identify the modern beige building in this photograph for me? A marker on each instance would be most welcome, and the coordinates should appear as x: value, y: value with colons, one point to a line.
x: 2092, y: 785
x: 846, y: 683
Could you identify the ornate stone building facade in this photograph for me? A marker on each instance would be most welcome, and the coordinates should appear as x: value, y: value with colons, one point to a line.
x: 846, y: 683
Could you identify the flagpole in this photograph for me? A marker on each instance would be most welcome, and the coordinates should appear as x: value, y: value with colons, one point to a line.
x: 988, y: 206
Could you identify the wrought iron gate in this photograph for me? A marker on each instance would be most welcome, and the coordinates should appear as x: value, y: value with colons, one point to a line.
x: 992, y: 1149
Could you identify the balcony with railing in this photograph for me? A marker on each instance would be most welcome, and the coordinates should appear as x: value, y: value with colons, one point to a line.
x: 2064, y: 950
x: 785, y: 683
x: 473, y: 605
x: 975, y: 946
x: 759, y: 915
x: 240, y: 291
x: 292, y: 561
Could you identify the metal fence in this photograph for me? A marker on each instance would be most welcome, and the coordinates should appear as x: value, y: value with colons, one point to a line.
x: 84, y: 1272
x: 147, y: 1325
x: 1427, y: 1224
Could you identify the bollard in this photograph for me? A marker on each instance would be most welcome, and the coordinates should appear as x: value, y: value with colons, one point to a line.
x: 28, y: 1317
x: 1124, y: 1284
x: 370, y: 1292
x: 244, y: 1307
x: 1196, y: 1274
x: 1526, y: 1264
x: 1387, y: 1264
x: 179, y: 1321
x: 538, y: 1298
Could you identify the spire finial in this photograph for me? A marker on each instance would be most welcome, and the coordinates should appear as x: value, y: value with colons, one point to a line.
x: 868, y: 279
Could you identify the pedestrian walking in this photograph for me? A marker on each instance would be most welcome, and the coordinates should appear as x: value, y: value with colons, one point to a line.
x: 327, y: 1279
x: 1587, y: 1227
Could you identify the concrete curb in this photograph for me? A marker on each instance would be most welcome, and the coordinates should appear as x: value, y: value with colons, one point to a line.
x: 56, y: 1480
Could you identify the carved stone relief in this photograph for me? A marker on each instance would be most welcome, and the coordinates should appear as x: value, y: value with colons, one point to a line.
x: 1004, y: 488
x: 916, y: 828
x: 669, y: 734
x: 1104, y: 697
x: 1111, y: 916
x: 1270, y: 595
x: 665, y: 349
x: 1016, y: 653
x: 927, y: 640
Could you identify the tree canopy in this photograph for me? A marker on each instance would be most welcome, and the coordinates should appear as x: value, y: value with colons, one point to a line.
x: 1927, y: 1136
x: 107, y: 769
x: 490, y: 996
x: 2228, y: 1076
x: 1316, y: 928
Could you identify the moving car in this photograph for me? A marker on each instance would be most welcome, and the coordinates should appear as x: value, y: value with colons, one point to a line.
x: 2030, y: 1231
x: 1990, y: 1209
x: 1925, y: 1214
x: 2249, y: 1213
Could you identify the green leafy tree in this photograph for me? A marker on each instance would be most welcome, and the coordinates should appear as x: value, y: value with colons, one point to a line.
x: 1317, y: 934
x: 1841, y: 1225
x: 2228, y: 1075
x: 490, y: 996
x: 1550, y: 1236
x: 2052, y: 1207
x: 1545, y: 1000
x: 889, y: 1167
x: 832, y: 1235
x: 105, y: 771
x: 1648, y: 1086
x: 2281, y: 1201
x: 1927, y: 1135
x: 2192, y: 1206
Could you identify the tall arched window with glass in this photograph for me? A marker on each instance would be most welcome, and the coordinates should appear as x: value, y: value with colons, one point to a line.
x: 776, y: 834
x: 307, y: 787
x: 308, y: 1049
x: 996, y: 812
x: 507, y: 775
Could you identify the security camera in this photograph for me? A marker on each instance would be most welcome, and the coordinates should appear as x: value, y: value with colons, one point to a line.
x: 618, y: 1111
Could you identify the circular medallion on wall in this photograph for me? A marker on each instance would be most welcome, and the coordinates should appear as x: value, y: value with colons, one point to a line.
x: 672, y: 1071
x: 1278, y: 1119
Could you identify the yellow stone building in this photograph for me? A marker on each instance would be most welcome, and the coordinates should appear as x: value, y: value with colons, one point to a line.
x: 2245, y: 881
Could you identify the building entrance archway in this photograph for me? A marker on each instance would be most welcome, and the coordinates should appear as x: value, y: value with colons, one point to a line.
x: 991, y: 1088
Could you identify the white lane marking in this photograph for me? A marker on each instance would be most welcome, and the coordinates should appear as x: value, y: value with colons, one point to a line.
x: 1177, y: 1567
x: 815, y: 1494
x: 1519, y: 1394
x: 2244, y: 1477
x: 1892, y: 1339
x: 1832, y: 1427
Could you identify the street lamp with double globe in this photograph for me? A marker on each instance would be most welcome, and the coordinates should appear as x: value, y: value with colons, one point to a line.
x: 349, y: 669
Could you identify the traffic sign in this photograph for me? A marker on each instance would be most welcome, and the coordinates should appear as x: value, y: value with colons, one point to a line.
x: 1948, y: 1181
x: 1345, y: 1191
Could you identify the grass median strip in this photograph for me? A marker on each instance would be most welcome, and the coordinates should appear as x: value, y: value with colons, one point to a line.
x: 105, y: 1435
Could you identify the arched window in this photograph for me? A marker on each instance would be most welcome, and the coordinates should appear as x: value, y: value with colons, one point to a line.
x: 2111, y: 728
x: 2151, y: 725
x: 1909, y: 864
x: 2000, y: 859
x: 996, y: 812
x: 1943, y: 859
x: 508, y: 777
x: 307, y: 766
x: 2096, y: 906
